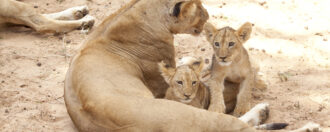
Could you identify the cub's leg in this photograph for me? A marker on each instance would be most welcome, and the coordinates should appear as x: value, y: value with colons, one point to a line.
x: 217, y: 103
x: 244, y: 97
x: 73, y: 13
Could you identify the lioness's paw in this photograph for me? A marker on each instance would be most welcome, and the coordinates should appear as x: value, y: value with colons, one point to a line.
x: 87, y: 22
x: 263, y: 112
x: 312, y: 127
x: 79, y: 12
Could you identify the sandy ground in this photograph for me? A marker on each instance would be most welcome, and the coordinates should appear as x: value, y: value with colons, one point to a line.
x: 289, y: 40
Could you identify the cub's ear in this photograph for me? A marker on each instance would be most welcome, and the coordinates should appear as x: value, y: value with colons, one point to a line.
x: 166, y: 71
x: 184, y: 9
x: 244, y: 32
x: 197, y: 65
x: 209, y: 31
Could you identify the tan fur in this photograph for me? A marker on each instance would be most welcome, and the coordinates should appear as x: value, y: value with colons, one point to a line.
x: 185, y: 84
x: 16, y: 12
x: 231, y: 63
x: 113, y: 81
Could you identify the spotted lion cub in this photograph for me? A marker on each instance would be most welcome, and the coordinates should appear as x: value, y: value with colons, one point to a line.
x: 185, y: 84
x: 230, y: 63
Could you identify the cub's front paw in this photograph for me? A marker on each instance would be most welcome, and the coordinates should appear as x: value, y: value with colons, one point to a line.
x: 241, y: 110
x: 217, y: 108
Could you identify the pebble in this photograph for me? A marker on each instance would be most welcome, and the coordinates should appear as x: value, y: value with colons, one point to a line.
x: 39, y: 64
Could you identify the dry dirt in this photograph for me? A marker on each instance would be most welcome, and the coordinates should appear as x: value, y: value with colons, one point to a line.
x: 290, y: 40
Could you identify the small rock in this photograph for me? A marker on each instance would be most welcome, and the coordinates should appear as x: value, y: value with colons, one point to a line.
x: 207, y: 61
x: 297, y: 105
x: 35, y: 6
x: 24, y: 108
x: 262, y: 3
x: 6, y: 111
x: 47, y: 4
x: 2, y: 81
x: 23, y: 85
x: 263, y: 50
x: 68, y: 41
x: 318, y: 34
x: 321, y: 107
x: 202, y: 49
x: 39, y: 64
x: 60, y: 37
x: 306, y: 27
x: 325, y: 39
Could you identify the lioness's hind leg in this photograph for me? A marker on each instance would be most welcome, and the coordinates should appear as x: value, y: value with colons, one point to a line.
x: 73, y: 13
x: 309, y: 127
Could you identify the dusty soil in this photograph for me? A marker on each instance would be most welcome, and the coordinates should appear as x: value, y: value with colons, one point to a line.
x: 290, y: 41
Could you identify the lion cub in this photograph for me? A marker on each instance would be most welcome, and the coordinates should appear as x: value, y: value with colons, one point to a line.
x: 185, y: 84
x: 230, y: 63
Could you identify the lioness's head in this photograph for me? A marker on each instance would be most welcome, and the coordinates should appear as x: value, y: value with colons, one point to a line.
x: 188, y: 17
x: 227, y: 42
x: 183, y: 80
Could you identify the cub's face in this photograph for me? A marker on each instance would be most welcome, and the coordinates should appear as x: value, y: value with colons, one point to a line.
x: 189, y: 17
x: 184, y: 80
x: 227, y: 42
x: 185, y: 83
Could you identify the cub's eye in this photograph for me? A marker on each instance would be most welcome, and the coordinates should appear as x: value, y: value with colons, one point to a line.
x: 217, y: 44
x: 179, y: 82
x: 231, y: 44
x: 194, y: 83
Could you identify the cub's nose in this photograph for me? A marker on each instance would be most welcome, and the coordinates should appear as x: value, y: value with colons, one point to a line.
x: 187, y: 95
x: 222, y: 58
x: 197, y: 31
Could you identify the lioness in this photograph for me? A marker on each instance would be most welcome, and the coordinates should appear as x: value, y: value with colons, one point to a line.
x: 12, y: 11
x: 230, y: 62
x: 112, y: 82
x: 185, y: 84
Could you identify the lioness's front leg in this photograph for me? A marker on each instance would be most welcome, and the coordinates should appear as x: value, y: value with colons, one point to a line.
x: 243, y: 98
x: 217, y: 103
x: 73, y: 13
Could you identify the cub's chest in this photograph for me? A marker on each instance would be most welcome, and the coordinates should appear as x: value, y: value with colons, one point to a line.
x: 235, y: 74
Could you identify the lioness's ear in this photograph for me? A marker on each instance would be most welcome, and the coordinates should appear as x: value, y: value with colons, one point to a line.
x: 209, y: 31
x: 244, y: 32
x: 166, y: 71
x: 184, y: 9
x: 197, y: 65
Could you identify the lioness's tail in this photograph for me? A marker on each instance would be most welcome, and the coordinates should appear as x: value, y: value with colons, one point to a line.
x: 271, y: 126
